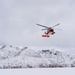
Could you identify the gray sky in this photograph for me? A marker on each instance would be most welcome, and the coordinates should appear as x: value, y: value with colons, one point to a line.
x: 18, y: 20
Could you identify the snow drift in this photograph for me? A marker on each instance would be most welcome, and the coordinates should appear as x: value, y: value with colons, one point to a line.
x: 24, y: 57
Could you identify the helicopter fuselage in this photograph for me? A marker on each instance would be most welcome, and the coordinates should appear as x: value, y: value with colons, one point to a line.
x: 48, y: 33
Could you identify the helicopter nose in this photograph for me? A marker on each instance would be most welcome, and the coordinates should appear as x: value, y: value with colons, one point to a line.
x: 53, y: 33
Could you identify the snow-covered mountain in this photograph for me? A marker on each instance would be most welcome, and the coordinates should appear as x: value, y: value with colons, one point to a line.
x: 24, y: 57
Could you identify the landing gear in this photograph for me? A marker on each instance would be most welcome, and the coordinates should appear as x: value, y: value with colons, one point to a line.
x: 45, y: 33
x: 45, y: 36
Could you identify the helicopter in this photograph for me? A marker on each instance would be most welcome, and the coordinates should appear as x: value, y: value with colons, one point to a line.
x: 50, y: 30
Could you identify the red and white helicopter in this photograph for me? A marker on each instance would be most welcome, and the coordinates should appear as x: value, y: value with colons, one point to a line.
x: 50, y: 30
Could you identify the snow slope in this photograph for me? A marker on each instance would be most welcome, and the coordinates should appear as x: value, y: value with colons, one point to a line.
x: 24, y: 57
x: 39, y: 71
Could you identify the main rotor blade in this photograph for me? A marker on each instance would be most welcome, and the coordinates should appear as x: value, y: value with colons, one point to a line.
x: 56, y: 25
x: 58, y: 29
x: 42, y: 25
x: 43, y: 29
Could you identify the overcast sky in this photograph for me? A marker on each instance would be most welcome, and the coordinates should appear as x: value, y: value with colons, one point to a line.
x: 18, y: 19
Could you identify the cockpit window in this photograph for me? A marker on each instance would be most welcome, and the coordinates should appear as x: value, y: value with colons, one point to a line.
x: 52, y: 30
